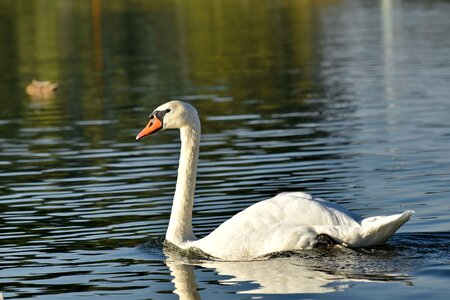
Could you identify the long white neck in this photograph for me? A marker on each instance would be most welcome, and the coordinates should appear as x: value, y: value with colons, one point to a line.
x: 180, y: 224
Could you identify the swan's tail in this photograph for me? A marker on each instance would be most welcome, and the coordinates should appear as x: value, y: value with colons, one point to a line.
x: 377, y: 230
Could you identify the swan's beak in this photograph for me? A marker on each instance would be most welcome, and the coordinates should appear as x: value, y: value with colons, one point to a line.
x: 154, y: 124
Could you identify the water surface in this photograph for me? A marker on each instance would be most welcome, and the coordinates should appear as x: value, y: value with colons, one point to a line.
x: 345, y: 100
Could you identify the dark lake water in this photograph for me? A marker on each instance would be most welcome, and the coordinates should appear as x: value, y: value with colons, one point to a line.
x: 346, y: 100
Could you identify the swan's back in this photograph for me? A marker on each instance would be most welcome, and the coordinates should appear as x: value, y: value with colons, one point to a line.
x: 303, y: 209
x: 295, y: 208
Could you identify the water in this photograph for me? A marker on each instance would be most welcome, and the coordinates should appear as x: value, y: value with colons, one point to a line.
x: 346, y: 100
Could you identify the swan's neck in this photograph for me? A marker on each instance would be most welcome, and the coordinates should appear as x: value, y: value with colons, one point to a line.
x: 180, y: 224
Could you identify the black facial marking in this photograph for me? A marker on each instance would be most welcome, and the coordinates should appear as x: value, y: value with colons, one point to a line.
x: 160, y: 114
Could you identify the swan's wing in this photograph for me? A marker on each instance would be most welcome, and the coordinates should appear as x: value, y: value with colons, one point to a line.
x: 303, y: 209
x: 293, y: 209
x: 284, y: 222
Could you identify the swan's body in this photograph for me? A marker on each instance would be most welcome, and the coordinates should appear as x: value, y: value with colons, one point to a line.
x: 287, y: 222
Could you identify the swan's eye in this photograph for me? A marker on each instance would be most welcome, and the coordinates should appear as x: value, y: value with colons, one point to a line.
x: 167, y: 110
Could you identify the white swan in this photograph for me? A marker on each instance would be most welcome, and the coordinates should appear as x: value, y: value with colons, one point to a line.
x: 287, y: 222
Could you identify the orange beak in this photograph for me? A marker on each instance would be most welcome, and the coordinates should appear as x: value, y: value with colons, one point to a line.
x: 153, y: 126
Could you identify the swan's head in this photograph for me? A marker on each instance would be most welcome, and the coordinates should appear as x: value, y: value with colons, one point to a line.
x: 171, y: 115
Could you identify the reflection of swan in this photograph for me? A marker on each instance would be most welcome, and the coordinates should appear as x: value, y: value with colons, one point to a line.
x: 274, y: 276
x: 279, y: 276
x: 184, y: 280
x: 282, y: 275
x: 286, y: 222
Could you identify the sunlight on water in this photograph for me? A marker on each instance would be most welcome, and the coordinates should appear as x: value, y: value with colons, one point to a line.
x: 345, y: 100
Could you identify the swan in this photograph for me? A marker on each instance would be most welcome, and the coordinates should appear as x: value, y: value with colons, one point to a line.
x: 287, y: 222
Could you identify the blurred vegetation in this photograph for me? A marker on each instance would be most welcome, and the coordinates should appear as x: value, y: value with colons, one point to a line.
x: 115, y: 59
